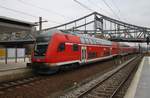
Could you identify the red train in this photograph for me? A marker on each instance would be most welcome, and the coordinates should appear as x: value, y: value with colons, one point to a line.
x: 55, y: 48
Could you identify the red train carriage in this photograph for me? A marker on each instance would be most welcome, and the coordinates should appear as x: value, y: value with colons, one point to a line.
x: 55, y: 48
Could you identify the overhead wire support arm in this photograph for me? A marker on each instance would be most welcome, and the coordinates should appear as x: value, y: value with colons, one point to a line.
x: 44, y: 9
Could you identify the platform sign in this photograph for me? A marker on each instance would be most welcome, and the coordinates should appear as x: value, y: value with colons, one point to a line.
x: 20, y: 52
x: 2, y: 53
x: 11, y: 52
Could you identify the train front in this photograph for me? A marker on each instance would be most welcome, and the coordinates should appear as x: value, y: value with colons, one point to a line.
x: 38, y: 59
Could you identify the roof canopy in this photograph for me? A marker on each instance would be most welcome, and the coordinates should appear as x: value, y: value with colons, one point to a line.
x: 14, y: 25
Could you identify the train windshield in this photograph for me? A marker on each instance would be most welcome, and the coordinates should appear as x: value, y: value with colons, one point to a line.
x: 45, y: 36
x: 43, y: 39
x: 40, y: 49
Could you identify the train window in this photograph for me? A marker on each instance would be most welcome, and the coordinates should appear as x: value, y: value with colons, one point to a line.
x: 104, y: 42
x: 40, y: 50
x: 82, y: 40
x: 61, y: 47
x: 94, y: 42
x: 100, y: 41
x: 97, y: 41
x: 92, y: 55
x: 87, y: 41
x: 91, y: 42
x: 75, y: 47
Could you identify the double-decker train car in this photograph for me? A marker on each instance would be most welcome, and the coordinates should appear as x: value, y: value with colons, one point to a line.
x: 55, y: 48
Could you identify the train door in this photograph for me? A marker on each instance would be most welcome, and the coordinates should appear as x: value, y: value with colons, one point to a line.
x: 83, y: 54
x: 110, y: 50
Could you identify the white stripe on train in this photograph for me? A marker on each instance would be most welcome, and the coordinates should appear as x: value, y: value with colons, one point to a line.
x: 87, y: 45
x: 80, y: 62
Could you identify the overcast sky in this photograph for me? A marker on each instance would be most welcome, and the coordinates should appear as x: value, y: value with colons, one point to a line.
x: 60, y: 11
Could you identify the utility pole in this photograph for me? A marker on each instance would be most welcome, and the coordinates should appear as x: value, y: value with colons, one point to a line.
x: 40, y: 23
x: 147, y: 40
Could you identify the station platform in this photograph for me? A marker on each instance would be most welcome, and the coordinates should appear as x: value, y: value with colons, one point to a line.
x: 11, y: 64
x: 140, y: 85
x: 12, y: 70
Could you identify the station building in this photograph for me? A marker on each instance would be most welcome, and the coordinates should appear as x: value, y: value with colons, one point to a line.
x: 16, y: 36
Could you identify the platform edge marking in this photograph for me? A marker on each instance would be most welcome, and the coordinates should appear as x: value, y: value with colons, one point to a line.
x: 134, y: 83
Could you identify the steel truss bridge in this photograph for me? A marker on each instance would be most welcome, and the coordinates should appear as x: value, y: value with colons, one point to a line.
x: 105, y: 27
x: 96, y: 24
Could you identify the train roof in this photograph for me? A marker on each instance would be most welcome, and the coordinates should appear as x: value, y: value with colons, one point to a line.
x: 87, y: 39
x: 47, y: 32
x: 97, y: 40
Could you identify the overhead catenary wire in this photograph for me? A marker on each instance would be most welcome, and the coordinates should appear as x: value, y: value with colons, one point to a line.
x: 17, y: 11
x: 44, y: 9
x: 86, y: 7
x: 111, y: 9
x: 116, y: 6
x: 23, y: 13
x: 91, y: 2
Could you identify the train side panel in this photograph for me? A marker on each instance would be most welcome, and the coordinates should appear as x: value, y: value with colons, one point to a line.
x: 62, y: 49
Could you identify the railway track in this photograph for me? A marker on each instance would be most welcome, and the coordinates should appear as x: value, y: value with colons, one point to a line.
x: 4, y: 86
x: 12, y: 86
x: 107, y: 85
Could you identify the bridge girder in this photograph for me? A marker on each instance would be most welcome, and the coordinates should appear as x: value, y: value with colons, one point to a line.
x: 106, y: 26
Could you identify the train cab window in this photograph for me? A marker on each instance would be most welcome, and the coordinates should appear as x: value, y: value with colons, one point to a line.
x: 75, y: 47
x: 61, y: 47
x: 40, y: 49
